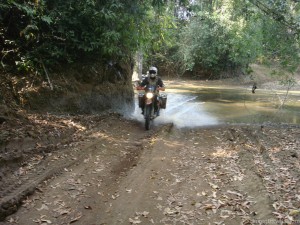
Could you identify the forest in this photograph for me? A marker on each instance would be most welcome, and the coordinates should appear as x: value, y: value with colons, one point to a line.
x: 73, y: 148
x: 210, y: 36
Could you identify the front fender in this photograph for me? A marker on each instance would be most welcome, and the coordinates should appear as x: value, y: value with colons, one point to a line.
x: 148, y: 111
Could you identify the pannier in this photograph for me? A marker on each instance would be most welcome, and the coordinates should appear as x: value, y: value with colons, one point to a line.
x: 163, y: 101
x: 141, y: 99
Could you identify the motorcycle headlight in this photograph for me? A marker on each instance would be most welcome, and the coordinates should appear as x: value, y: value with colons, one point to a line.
x: 149, y: 95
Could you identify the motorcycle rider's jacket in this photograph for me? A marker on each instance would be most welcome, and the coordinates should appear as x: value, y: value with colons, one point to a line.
x: 156, y: 82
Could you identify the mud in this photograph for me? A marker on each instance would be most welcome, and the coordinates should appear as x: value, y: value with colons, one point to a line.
x: 105, y: 169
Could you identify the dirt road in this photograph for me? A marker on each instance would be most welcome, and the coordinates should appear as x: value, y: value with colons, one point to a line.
x: 112, y: 171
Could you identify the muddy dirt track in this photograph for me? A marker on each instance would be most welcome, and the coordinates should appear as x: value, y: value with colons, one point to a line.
x: 105, y: 169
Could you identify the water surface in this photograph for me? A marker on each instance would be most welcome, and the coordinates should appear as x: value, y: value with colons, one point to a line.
x: 192, y: 105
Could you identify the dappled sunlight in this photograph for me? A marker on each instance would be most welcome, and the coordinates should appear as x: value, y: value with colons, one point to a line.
x: 109, y: 137
x: 174, y: 90
x: 172, y: 144
x: 196, y: 85
x: 222, y: 153
x: 59, y: 123
x: 100, y: 135
x: 73, y: 124
x: 275, y: 149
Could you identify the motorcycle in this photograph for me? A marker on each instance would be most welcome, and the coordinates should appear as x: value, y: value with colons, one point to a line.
x: 147, y: 101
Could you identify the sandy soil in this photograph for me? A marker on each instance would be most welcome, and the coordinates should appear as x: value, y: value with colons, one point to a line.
x: 105, y: 169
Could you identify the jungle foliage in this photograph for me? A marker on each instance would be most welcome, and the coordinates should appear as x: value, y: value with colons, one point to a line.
x: 57, y: 32
x: 180, y: 34
x: 229, y: 35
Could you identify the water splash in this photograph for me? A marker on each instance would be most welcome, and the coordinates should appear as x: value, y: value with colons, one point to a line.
x: 182, y: 111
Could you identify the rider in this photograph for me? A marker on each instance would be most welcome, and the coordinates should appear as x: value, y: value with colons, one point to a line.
x: 153, y: 79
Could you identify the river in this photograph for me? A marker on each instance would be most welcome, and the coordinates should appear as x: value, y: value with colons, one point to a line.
x: 192, y: 105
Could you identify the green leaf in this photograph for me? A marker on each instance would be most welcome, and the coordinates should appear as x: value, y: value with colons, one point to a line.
x: 47, y: 19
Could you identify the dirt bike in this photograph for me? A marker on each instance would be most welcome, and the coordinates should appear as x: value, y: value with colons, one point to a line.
x: 147, y: 101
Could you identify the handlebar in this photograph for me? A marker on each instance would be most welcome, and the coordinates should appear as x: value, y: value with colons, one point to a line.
x: 140, y: 88
x: 143, y: 88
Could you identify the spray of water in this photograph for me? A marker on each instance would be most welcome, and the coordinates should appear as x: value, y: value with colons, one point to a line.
x: 182, y: 111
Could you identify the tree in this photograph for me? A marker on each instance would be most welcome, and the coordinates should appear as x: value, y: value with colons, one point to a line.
x: 226, y: 35
x: 58, y: 32
x: 215, y: 35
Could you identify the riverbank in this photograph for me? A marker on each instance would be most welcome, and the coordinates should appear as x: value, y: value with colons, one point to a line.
x: 262, y: 77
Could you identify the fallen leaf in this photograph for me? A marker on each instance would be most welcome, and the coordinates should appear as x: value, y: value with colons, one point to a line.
x: 234, y: 193
x: 294, y: 212
x: 115, y: 196
x: 198, y: 205
x: 169, y: 211
x: 134, y: 221
x: 76, y: 218
x: 46, y: 221
x: 43, y: 207
x: 214, y: 186
x: 214, y: 194
x: 209, y: 207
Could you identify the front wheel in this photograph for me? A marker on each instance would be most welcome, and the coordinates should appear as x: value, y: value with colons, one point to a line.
x: 148, y: 110
x: 147, y: 123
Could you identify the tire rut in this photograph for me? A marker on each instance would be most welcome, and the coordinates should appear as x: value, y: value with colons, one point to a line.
x: 50, y: 166
x: 14, y: 193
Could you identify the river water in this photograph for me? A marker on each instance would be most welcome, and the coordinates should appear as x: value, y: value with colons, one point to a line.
x: 192, y: 106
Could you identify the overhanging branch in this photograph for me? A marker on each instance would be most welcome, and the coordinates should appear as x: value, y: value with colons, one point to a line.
x: 288, y: 22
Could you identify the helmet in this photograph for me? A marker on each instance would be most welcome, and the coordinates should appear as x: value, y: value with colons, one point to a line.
x: 152, y: 72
